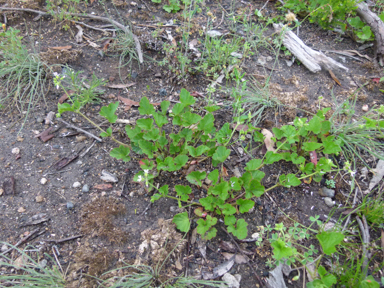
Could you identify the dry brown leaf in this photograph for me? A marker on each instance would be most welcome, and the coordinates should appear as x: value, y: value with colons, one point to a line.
x: 334, y: 77
x: 240, y: 127
x: 61, y: 47
x: 128, y: 102
x: 120, y: 86
x: 106, y: 44
x: 239, y: 259
x: 269, y: 144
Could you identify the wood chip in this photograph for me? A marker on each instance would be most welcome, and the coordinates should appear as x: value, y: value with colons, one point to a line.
x: 334, y: 77
x: 103, y: 186
x: 61, y: 48
x: 121, y: 86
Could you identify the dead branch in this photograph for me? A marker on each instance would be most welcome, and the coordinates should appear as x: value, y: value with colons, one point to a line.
x: 310, y: 58
x: 24, y: 240
x: 377, y: 27
x: 113, y: 22
x: 79, y: 129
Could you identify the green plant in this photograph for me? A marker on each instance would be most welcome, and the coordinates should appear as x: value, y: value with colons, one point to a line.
x: 173, y: 6
x: 124, y: 44
x: 330, y: 183
x: 219, y: 54
x: 29, y: 272
x: 373, y: 209
x: 327, y: 13
x: 194, y: 138
x: 358, y: 134
x: 84, y: 91
x: 22, y: 74
x: 61, y: 10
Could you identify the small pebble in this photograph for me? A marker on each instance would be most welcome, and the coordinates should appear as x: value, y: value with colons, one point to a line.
x: 43, y: 181
x: 85, y: 188
x: 325, y: 192
x: 39, y: 198
x: 328, y: 201
x: 162, y: 92
x: 39, y: 120
x: 21, y: 210
x: 4, y: 248
x: 131, y: 194
x: 56, y: 146
x: 15, y: 150
x: 70, y: 205
x: 42, y: 264
x: 365, y: 108
x: 81, y: 138
x: 134, y: 75
x: 76, y: 185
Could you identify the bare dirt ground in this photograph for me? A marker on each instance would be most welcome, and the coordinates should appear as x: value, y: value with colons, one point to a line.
x: 106, y: 221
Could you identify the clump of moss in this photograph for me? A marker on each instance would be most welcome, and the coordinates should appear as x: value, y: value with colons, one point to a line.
x: 98, y: 216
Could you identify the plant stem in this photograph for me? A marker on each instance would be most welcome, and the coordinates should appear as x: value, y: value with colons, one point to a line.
x: 102, y: 130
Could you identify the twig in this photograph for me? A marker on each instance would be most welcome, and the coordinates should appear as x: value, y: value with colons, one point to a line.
x: 145, y: 4
x: 81, y: 130
x: 365, y: 234
x: 115, y: 23
x: 353, y: 206
x: 25, y: 239
x: 57, y: 260
x: 86, y: 151
x: 146, y: 209
x: 57, y: 172
x: 238, y: 248
x: 266, y: 2
x: 63, y: 240
x: 94, y: 28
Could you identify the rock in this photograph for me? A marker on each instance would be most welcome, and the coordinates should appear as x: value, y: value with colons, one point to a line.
x: 39, y: 198
x: 108, y: 177
x: 207, y: 181
x: 261, y: 60
x: 21, y: 210
x: 325, y: 192
x: 232, y: 281
x: 42, y: 264
x: 81, y: 138
x: 237, y: 55
x: 162, y: 92
x: 39, y: 120
x: 365, y: 108
x: 16, y: 150
x: 43, y: 181
x: 1, y: 191
x: 158, y: 75
x: 131, y: 194
x: 76, y: 184
x: 214, y: 33
x: 133, y: 3
x: 70, y: 205
x: 328, y: 201
x: 236, y: 172
x: 4, y: 248
x: 134, y: 75
x: 85, y: 188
